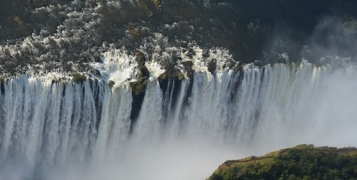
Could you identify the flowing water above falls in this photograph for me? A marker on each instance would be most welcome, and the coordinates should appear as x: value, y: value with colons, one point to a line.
x: 183, y: 130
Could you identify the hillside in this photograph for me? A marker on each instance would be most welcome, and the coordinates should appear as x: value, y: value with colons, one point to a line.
x: 300, y: 162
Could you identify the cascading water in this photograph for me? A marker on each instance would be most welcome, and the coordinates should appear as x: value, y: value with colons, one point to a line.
x: 54, y: 130
x: 204, y: 101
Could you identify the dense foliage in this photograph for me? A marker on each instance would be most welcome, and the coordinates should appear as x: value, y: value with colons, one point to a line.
x: 301, y: 162
x: 78, y: 78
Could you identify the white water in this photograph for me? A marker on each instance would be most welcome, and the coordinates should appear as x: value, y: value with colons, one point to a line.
x: 82, y: 131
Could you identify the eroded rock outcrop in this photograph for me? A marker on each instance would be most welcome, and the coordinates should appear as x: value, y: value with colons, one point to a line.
x: 142, y: 75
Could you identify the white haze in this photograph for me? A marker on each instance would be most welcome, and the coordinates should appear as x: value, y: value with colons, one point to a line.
x: 338, y: 104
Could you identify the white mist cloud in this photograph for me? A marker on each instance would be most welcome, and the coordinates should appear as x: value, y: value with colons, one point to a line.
x: 336, y: 113
x: 332, y: 37
x: 189, y: 160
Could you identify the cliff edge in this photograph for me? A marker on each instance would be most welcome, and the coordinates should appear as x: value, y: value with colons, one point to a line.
x: 300, y: 162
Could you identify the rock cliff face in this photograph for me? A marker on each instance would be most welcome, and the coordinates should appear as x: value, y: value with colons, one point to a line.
x: 64, y: 35
x: 174, y: 38
x: 300, y: 162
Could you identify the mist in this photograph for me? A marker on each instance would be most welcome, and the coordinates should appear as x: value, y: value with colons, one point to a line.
x: 337, y: 111
x: 332, y: 37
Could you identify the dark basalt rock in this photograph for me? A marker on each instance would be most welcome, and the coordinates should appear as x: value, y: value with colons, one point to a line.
x: 139, y: 86
x: 188, y: 68
x: 2, y: 79
x: 111, y: 84
x: 212, y: 66
x: 250, y: 29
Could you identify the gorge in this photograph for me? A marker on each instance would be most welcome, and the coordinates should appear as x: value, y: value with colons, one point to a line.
x: 167, y: 89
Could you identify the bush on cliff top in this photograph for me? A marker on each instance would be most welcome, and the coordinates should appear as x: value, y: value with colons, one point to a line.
x: 78, y: 78
x: 301, y: 162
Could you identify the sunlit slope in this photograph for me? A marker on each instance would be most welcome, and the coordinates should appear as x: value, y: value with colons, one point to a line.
x: 300, y: 162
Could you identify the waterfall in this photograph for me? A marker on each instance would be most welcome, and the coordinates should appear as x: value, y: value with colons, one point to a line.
x: 54, y: 130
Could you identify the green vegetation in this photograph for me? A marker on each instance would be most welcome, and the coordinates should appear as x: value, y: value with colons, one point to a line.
x: 172, y: 73
x: 139, y: 86
x: 78, y: 78
x: 180, y: 76
x: 22, y: 28
x: 158, y: 4
x: 301, y: 162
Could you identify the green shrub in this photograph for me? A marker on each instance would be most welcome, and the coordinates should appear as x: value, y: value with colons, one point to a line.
x: 139, y: 86
x: 78, y: 78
